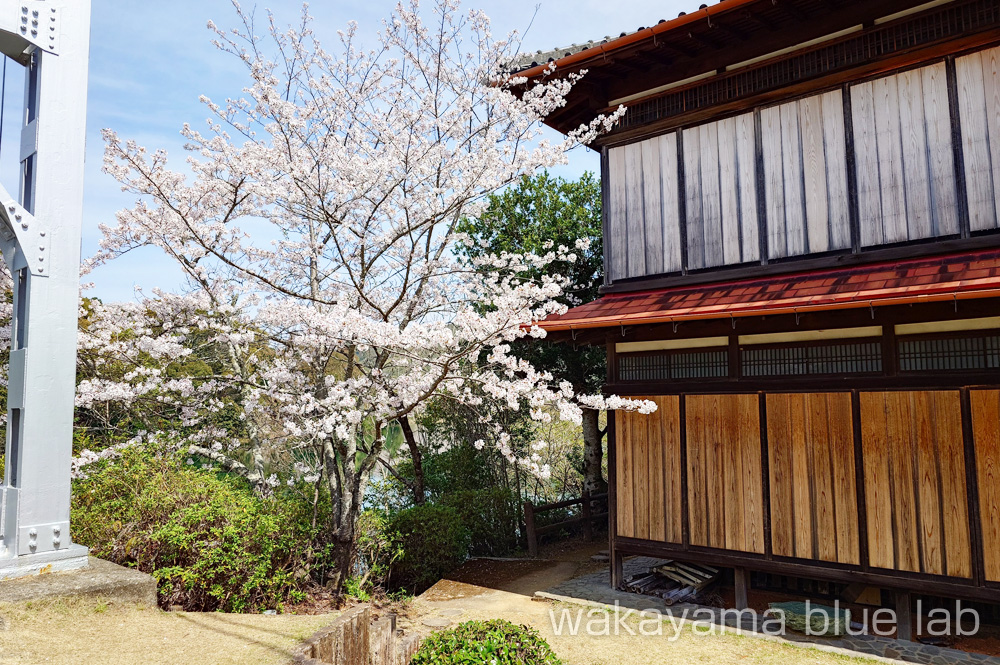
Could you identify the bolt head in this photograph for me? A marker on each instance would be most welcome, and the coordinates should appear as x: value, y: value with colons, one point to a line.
x: 34, y: 33
x: 41, y: 258
x: 32, y: 532
x: 41, y: 248
x: 41, y: 233
x: 24, y: 225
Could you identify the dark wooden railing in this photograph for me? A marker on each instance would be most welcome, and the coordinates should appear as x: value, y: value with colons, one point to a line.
x: 586, y: 517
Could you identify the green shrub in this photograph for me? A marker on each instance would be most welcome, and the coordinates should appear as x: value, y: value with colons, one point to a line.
x: 490, y: 515
x: 209, y: 541
x: 496, y: 642
x: 432, y: 541
x: 376, y: 548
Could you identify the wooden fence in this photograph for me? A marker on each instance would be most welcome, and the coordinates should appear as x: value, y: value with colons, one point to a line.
x: 354, y: 640
x: 586, y: 517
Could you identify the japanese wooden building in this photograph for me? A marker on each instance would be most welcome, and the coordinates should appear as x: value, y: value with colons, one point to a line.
x: 802, y: 239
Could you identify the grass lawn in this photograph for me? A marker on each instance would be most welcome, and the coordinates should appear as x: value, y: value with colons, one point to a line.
x: 94, y: 632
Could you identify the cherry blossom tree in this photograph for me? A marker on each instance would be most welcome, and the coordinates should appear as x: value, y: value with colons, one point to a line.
x: 316, y: 225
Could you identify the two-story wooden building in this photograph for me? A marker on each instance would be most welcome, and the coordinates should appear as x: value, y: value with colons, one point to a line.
x: 802, y: 237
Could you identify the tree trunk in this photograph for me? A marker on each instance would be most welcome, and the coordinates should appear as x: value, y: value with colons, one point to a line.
x: 593, y: 454
x: 417, y: 485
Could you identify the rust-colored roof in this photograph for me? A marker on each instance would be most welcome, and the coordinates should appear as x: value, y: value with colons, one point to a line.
x: 957, y: 276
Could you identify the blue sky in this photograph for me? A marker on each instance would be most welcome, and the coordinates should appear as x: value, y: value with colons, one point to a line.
x: 150, y: 61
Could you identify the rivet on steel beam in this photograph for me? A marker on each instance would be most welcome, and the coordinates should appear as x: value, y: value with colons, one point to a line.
x: 32, y: 533
x: 55, y: 530
x: 41, y: 233
x: 11, y: 208
x: 41, y: 258
x: 34, y: 33
x: 55, y: 542
x: 24, y: 225
x: 41, y: 248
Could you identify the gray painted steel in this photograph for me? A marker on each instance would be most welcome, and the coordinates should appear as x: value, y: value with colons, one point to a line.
x: 40, y: 240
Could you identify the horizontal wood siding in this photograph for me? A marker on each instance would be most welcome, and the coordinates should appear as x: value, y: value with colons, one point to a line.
x: 917, y: 507
x: 986, y: 437
x: 814, y: 509
x: 720, y: 192
x: 725, y: 488
x: 978, y: 80
x: 644, y: 218
x: 805, y: 176
x: 905, y: 162
x: 648, y: 468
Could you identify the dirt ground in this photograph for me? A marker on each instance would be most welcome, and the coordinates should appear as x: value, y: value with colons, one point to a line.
x: 92, y: 632
x: 490, y: 589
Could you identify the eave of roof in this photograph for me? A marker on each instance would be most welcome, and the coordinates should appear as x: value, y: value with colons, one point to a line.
x: 606, y: 48
x: 954, y: 277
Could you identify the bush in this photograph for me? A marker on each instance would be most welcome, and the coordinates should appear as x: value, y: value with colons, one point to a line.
x: 431, y: 541
x: 376, y: 548
x: 490, y: 515
x: 209, y: 541
x: 496, y: 642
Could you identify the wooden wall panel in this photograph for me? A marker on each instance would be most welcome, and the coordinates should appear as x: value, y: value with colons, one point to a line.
x: 648, y: 468
x: 915, y: 494
x: 805, y: 176
x: 617, y: 241
x: 814, y: 509
x: 986, y: 437
x: 725, y: 489
x: 978, y: 77
x: 905, y: 164
x: 643, y: 212
x: 720, y: 192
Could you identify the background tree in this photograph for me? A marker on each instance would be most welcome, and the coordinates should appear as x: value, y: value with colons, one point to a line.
x: 539, y: 212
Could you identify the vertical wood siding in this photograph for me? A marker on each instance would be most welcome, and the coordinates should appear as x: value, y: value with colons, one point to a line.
x: 644, y: 218
x: 904, y: 169
x: 805, y: 176
x: 978, y: 79
x: 905, y: 162
x: 915, y: 482
x: 720, y: 193
x: 648, y: 468
x: 986, y: 436
x: 725, y: 489
x: 814, y: 509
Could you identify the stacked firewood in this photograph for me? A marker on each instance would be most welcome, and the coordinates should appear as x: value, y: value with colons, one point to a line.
x: 673, y: 581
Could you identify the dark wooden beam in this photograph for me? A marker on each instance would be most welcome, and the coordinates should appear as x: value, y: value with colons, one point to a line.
x: 913, y: 582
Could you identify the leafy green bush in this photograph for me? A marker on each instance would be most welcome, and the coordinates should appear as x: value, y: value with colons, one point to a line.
x: 376, y: 548
x: 209, y: 541
x: 432, y: 541
x: 496, y: 642
x: 490, y: 515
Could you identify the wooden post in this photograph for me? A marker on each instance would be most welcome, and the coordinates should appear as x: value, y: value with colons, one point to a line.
x: 904, y: 619
x: 588, y: 520
x: 742, y: 586
x: 617, y: 569
x: 529, y: 528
